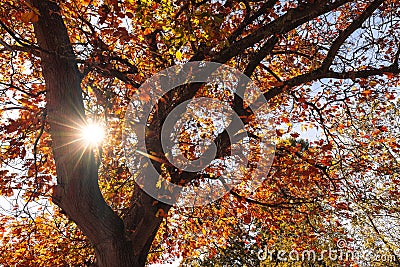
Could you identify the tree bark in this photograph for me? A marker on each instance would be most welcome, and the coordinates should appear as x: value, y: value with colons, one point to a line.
x: 77, y: 191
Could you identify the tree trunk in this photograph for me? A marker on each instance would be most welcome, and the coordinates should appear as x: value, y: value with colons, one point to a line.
x: 77, y: 191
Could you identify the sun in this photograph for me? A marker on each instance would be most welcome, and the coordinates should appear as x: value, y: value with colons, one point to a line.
x: 92, y: 134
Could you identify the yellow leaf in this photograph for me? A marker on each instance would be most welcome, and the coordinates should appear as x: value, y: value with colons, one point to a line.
x: 158, y: 184
x: 178, y: 55
x: 373, y: 83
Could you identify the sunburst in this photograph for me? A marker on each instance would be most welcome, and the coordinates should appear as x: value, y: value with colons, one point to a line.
x: 92, y: 134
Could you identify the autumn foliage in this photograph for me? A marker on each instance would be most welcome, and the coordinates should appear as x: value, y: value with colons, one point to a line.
x: 329, y: 73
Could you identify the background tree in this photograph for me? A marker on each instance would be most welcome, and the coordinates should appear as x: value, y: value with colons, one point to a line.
x: 372, y: 188
x: 67, y: 63
x: 311, y: 226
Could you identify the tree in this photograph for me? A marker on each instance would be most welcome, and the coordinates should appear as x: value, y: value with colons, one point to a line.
x: 66, y: 63
x: 244, y: 251
x: 374, y: 150
x: 301, y: 234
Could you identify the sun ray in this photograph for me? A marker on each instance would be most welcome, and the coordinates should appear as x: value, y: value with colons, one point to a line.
x: 92, y: 134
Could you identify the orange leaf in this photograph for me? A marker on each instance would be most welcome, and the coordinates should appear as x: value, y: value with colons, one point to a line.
x: 144, y: 97
x: 366, y: 92
x: 30, y: 16
x: 147, y: 31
